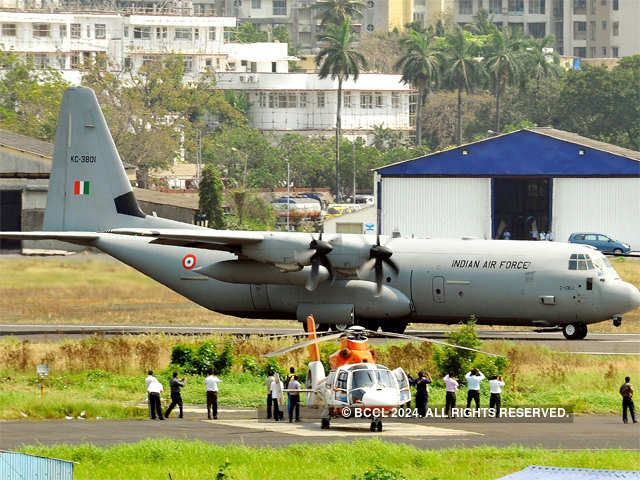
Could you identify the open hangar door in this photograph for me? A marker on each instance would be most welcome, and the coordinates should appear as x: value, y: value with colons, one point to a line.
x: 10, y: 219
x: 521, y: 206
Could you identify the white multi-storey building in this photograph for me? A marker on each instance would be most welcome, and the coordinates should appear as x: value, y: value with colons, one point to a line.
x: 65, y: 41
x: 306, y: 104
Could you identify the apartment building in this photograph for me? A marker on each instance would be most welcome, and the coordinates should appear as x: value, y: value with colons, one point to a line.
x: 582, y: 28
x: 66, y: 41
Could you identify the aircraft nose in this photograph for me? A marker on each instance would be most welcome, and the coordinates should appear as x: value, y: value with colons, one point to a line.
x: 635, y: 296
x: 379, y: 397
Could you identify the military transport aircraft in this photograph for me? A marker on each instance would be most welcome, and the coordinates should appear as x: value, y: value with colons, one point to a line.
x: 340, y: 279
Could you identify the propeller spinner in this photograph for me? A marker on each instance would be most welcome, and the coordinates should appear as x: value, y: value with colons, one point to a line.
x: 378, y: 256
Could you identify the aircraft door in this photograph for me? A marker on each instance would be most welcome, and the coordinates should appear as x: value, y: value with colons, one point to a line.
x: 260, y: 297
x: 438, y: 289
x: 403, y: 385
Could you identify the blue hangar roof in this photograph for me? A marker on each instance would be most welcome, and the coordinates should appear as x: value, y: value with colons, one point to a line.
x: 536, y: 151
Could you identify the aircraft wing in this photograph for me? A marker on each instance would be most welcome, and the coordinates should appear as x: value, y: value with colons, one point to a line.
x: 71, y: 237
x: 205, y: 238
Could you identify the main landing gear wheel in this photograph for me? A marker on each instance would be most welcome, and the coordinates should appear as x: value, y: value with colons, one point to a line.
x: 574, y: 331
x: 376, y: 425
x: 325, y: 423
x: 320, y: 327
x: 339, y: 327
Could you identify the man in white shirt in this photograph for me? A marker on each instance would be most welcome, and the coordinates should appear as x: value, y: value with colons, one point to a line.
x: 474, y: 377
x: 270, y: 379
x: 211, y: 384
x: 294, y: 398
x: 150, y: 378
x: 277, y: 397
x: 154, y: 389
x: 495, y: 387
x: 451, y: 385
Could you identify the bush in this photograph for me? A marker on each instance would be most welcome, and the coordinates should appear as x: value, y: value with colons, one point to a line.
x: 380, y: 473
x: 250, y: 365
x: 273, y: 364
x: 199, y: 361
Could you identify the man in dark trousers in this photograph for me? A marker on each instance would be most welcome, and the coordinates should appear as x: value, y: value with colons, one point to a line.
x: 270, y: 380
x: 495, y: 388
x: 294, y: 398
x: 176, y: 397
x: 211, y: 384
x: 474, y: 377
x: 154, y: 389
x: 626, y: 390
x: 422, y: 393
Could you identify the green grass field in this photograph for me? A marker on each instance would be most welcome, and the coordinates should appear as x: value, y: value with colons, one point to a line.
x: 195, y: 460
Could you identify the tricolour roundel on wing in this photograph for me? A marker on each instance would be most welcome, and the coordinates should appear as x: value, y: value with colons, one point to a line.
x: 189, y: 261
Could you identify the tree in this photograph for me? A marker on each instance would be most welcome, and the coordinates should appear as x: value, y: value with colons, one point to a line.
x: 210, y: 203
x: 462, y: 71
x: 537, y: 63
x: 504, y: 62
x: 420, y: 67
x: 247, y: 33
x: 337, y: 11
x: 339, y: 60
x: 482, y: 23
x: 250, y: 211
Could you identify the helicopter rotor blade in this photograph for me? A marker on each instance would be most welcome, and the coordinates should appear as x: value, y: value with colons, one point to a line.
x: 420, y: 339
x: 306, y: 343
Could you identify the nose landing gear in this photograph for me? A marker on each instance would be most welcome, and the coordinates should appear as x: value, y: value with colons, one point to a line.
x: 574, y: 331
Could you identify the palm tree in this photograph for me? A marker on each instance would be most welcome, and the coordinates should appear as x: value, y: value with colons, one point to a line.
x: 339, y: 60
x: 504, y: 62
x: 462, y: 70
x: 336, y: 11
x: 541, y: 61
x: 420, y: 66
x: 482, y: 23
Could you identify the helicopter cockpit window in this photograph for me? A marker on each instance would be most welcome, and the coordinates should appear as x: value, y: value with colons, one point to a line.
x: 384, y: 378
x: 342, y: 380
x: 362, y: 378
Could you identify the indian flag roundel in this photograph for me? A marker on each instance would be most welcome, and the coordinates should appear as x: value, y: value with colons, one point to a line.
x: 81, y: 187
x: 189, y: 261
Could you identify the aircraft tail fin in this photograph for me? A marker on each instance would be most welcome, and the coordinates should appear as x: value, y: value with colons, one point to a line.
x: 88, y: 188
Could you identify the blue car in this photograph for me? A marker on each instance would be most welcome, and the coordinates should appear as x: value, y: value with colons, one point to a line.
x: 604, y: 243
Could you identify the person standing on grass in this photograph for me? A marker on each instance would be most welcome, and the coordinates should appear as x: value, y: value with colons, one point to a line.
x: 495, y: 387
x: 211, y: 384
x: 176, y: 397
x: 294, y: 398
x: 422, y: 393
x: 270, y: 380
x: 451, y: 385
x: 277, y: 398
x: 154, y: 390
x: 474, y: 377
x: 626, y: 390
x: 286, y: 382
x: 150, y: 378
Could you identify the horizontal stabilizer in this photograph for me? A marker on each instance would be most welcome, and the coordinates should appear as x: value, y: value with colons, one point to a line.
x: 82, y: 238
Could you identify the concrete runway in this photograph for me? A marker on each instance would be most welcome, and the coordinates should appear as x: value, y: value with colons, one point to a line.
x: 595, y: 343
x: 586, y: 432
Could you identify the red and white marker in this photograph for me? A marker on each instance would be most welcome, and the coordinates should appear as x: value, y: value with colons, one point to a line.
x: 189, y: 261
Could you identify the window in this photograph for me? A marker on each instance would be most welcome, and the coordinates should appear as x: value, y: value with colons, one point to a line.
x: 303, y: 100
x: 253, y: 67
x: 9, y: 29
x: 147, y: 59
x: 615, y: 27
x: 262, y: 99
x: 183, y: 34
x: 63, y: 31
x: 592, y: 52
x: 495, y: 6
x: 593, y: 7
x: 161, y: 32
x: 580, y: 52
x: 208, y: 62
x: 125, y: 32
x: 127, y: 63
x: 304, y: 38
x: 580, y: 6
x: 592, y: 30
x: 143, y: 33
x: 516, y: 6
x: 379, y: 100
x: 40, y: 60
x: 615, y: 52
x: 188, y: 64
x: 196, y: 34
x: 395, y: 99
x: 86, y: 59
x: 41, y: 30
x: 274, y: 66
x: 283, y: 100
x: 279, y: 7
x: 101, y: 30
x: 614, y: 5
x: 604, y: 51
x: 75, y: 60
x: 321, y: 99
x: 537, y: 6
x: 88, y: 31
x: 537, y: 30
x: 604, y: 25
x: 580, y: 261
x: 466, y: 7
x: 346, y: 100
x: 366, y: 100
x: 273, y: 100
x: 212, y: 33
x: 256, y: 4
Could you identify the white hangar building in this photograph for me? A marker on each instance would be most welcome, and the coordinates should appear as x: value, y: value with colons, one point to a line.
x: 531, y: 179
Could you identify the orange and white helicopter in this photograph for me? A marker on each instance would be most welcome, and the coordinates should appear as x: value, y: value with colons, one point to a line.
x: 356, y: 381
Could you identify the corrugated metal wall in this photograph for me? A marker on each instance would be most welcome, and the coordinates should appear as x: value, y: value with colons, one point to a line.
x: 19, y: 466
x: 602, y: 205
x: 437, y: 207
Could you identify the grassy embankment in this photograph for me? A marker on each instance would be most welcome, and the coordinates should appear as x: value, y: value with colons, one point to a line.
x: 93, y: 289
x: 194, y: 460
x: 104, y: 376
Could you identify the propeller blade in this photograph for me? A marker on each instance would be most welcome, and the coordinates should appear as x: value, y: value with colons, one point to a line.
x: 365, y: 268
x: 306, y: 343
x: 303, y: 258
x: 379, y: 279
x: 392, y: 264
x: 326, y: 263
x: 420, y: 339
x: 312, y: 281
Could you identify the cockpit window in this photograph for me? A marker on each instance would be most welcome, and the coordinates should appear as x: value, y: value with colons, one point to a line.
x: 362, y: 378
x: 580, y: 261
x: 384, y: 378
